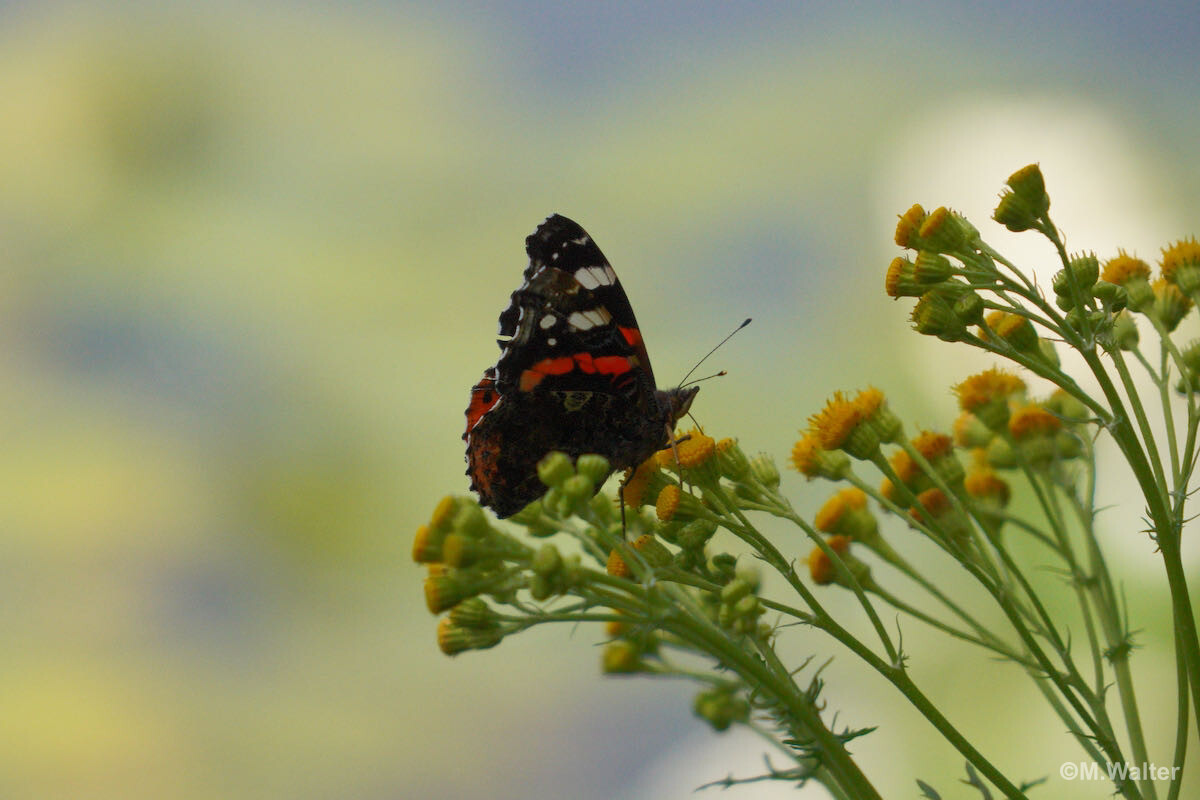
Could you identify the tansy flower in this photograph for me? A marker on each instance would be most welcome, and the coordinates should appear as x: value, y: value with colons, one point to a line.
x: 634, y: 490
x: 820, y: 566
x: 443, y: 514
x: 839, y: 426
x: 872, y: 404
x: 1124, y: 268
x: 907, y: 229
x: 1170, y: 304
x: 1181, y: 264
x: 837, y: 507
x: 938, y: 450
x: 985, y: 486
x: 1032, y: 421
x: 1134, y: 275
x: 650, y: 549
x: 427, y: 548
x: 940, y: 231
x: 933, y: 445
x: 987, y: 395
x: 667, y: 502
x: 969, y: 432
x: 903, y: 280
x: 732, y: 462
x: 1012, y: 328
x: 616, y: 565
x: 812, y: 461
x: 695, y: 449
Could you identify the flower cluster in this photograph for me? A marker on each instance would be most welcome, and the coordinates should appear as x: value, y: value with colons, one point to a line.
x: 682, y: 580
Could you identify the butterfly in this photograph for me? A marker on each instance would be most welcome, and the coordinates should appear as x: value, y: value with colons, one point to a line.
x: 573, y: 375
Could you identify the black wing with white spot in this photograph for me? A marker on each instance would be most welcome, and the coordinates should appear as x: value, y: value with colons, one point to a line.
x: 570, y: 302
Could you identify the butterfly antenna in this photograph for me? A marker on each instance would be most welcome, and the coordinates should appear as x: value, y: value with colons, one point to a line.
x: 710, y: 352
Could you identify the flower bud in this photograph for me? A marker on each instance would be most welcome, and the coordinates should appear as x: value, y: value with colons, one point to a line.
x: 1112, y: 297
x: 763, y: 468
x: 721, y: 708
x: 934, y: 315
x: 695, y: 534
x: 732, y: 462
x: 1170, y: 304
x: 473, y: 612
x: 547, y: 561
x: 453, y: 639
x: 621, y: 657
x: 555, y: 468
x: 595, y: 468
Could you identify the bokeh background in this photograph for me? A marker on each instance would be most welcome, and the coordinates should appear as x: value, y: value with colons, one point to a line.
x: 251, y: 259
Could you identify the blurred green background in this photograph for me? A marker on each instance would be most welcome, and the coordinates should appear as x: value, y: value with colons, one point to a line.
x: 251, y: 260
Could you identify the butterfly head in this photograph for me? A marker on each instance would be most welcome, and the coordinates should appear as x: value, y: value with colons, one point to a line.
x: 676, y: 402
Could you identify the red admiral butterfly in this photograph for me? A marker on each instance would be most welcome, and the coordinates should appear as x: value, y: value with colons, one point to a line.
x: 573, y: 375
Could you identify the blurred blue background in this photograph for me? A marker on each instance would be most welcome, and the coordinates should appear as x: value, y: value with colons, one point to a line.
x: 251, y: 260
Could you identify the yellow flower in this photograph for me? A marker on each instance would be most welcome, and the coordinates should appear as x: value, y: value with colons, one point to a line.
x: 820, y: 566
x: 1124, y: 268
x: 616, y: 565
x: 634, y: 491
x: 1012, y: 328
x: 1181, y: 264
x: 984, y: 485
x: 981, y: 389
x: 835, y: 507
x: 1031, y: 421
x: 908, y: 228
x: 1171, y: 304
x: 839, y: 426
x: 696, y: 448
x: 667, y: 503
x: 933, y: 445
x: 931, y: 504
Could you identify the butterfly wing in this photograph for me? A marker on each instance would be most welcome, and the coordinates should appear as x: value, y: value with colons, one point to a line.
x: 573, y: 373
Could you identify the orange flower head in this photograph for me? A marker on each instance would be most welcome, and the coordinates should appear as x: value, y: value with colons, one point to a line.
x: 837, y: 506
x: 667, y: 503
x: 907, y: 229
x: 1031, y: 421
x: 634, y: 490
x: 932, y: 445
x: 985, y: 485
x: 1181, y: 264
x: 983, y: 388
x: 820, y: 566
x: 696, y: 448
x: 1124, y: 268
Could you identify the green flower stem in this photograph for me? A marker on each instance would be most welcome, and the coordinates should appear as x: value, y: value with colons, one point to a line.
x: 1181, y: 716
x: 1104, y: 600
x: 803, y: 715
x: 1147, y: 433
x: 1048, y: 500
x: 1166, y: 529
x: 894, y: 673
x: 988, y: 643
x: 749, y: 534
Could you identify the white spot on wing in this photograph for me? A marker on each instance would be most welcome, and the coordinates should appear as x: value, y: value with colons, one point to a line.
x: 548, y: 321
x: 593, y: 277
x: 586, y: 279
x: 586, y: 320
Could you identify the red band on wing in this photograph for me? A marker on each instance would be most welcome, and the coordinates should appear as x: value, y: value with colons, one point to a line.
x: 584, y: 362
x: 483, y: 397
